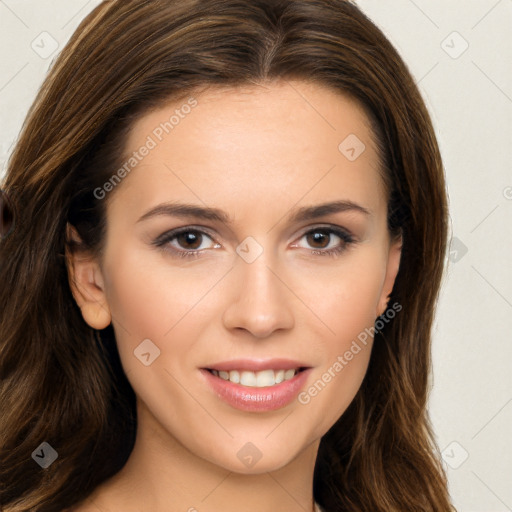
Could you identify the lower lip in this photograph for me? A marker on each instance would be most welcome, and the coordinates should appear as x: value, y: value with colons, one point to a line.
x: 255, y: 399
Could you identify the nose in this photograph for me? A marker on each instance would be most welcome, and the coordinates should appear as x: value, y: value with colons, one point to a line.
x: 260, y: 301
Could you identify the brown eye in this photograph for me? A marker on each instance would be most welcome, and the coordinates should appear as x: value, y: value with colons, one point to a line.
x: 186, y: 242
x: 319, y: 239
x: 189, y: 239
x: 328, y: 241
x: 6, y: 215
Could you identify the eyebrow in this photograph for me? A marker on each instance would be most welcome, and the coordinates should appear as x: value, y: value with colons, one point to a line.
x: 214, y: 214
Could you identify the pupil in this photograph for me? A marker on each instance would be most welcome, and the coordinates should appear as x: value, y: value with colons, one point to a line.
x: 318, y: 236
x: 189, y: 238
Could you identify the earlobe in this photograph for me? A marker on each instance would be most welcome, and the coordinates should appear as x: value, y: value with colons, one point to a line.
x: 393, y: 265
x: 86, y: 282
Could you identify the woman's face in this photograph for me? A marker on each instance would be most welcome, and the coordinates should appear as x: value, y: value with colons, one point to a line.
x: 258, y: 271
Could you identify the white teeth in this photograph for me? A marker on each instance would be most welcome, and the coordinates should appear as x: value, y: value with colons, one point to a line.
x: 288, y: 374
x: 260, y: 379
x: 248, y: 379
x: 265, y: 378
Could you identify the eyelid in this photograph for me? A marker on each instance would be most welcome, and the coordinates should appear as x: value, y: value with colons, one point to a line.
x: 171, y: 233
x: 319, y: 226
x: 209, y: 232
x: 347, y: 240
x: 344, y: 234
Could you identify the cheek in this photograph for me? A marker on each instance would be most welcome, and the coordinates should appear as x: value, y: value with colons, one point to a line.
x: 353, y: 303
x: 150, y: 299
x: 335, y: 385
x: 346, y: 304
x: 344, y: 296
x: 166, y: 304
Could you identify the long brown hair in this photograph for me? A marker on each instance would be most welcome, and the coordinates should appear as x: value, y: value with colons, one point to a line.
x: 62, y: 383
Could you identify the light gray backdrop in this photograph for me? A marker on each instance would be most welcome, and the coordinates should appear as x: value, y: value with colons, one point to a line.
x: 460, y: 52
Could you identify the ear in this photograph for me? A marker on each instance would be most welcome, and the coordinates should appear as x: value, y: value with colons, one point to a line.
x: 86, y: 282
x: 394, y: 254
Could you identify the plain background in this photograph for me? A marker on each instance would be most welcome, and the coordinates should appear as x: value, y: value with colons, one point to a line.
x: 459, y: 51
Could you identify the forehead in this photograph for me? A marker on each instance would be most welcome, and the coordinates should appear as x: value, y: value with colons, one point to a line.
x: 287, y: 138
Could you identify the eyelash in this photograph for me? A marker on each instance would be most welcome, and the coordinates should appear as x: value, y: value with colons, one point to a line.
x: 167, y: 237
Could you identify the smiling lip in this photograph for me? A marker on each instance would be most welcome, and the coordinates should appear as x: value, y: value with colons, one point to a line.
x: 256, y: 365
x: 254, y: 399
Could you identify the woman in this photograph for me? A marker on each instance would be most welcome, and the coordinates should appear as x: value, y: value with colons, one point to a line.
x: 174, y: 336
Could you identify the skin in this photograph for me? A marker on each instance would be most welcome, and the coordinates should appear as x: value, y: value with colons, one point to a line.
x: 258, y: 153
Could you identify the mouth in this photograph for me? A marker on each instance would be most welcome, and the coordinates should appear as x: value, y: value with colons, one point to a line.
x: 257, y: 386
x: 257, y: 379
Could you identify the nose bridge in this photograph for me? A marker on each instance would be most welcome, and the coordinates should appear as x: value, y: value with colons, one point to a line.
x: 260, y: 301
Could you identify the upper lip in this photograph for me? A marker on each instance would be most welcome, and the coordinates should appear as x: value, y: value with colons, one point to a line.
x: 256, y: 365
